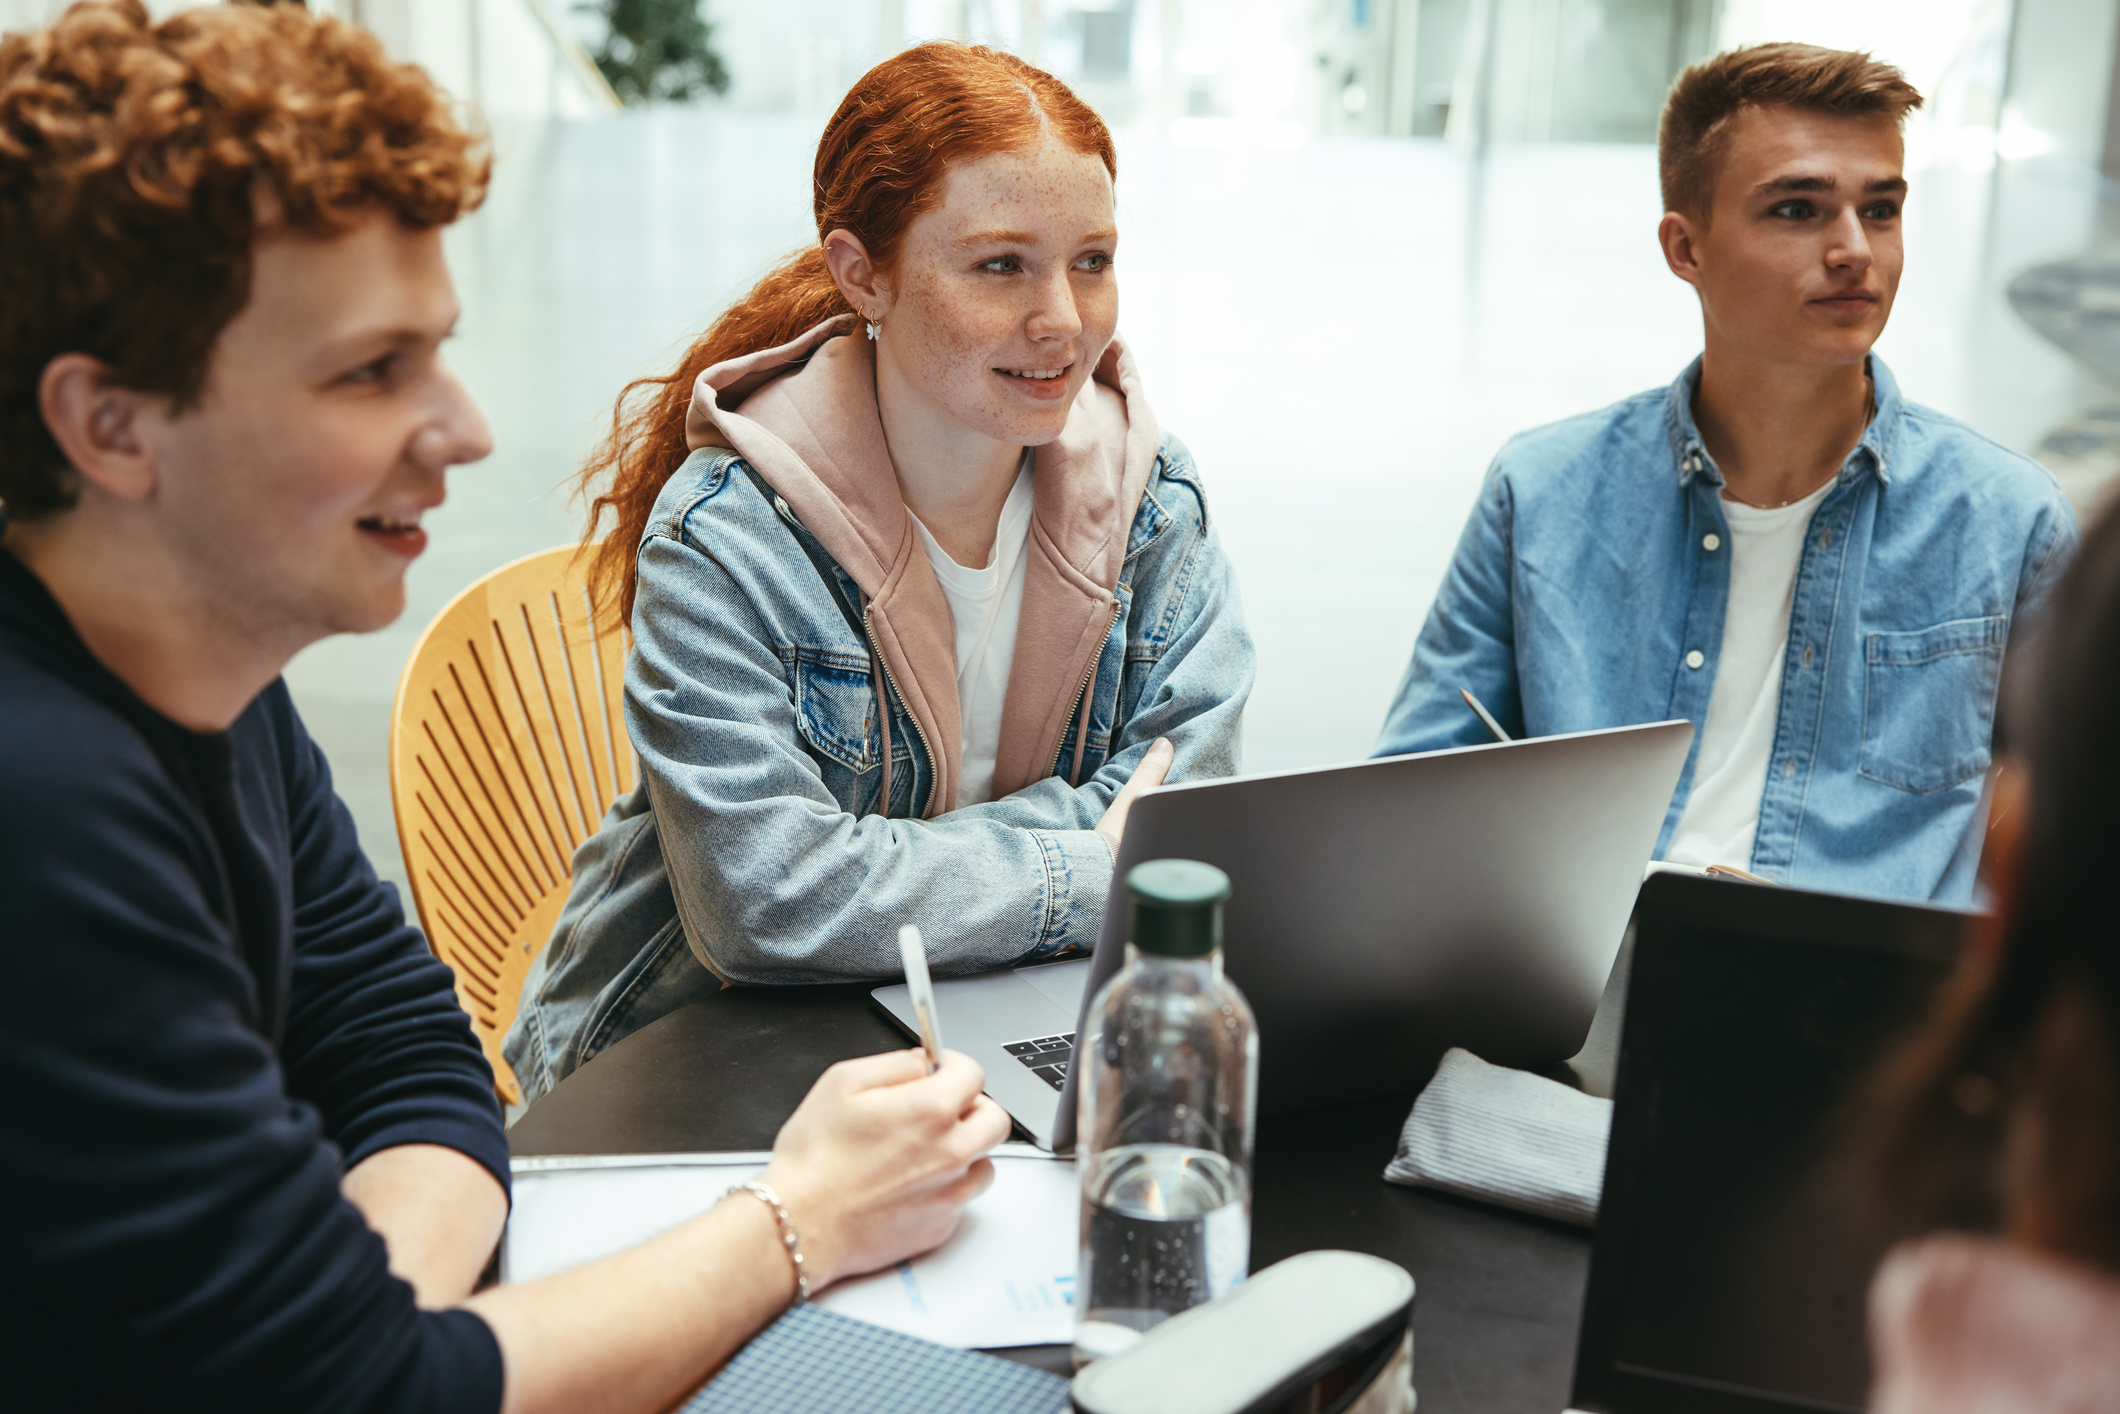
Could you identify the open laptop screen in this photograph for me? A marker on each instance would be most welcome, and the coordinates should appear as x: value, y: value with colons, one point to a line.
x: 1730, y: 1271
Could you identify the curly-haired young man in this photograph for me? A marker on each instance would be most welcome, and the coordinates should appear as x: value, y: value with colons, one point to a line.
x: 250, y: 1154
x: 1818, y: 574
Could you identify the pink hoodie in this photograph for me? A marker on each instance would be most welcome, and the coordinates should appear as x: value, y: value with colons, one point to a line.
x: 1968, y: 1325
x: 804, y: 417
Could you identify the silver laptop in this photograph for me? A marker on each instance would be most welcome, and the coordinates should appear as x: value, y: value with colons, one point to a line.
x: 1380, y: 913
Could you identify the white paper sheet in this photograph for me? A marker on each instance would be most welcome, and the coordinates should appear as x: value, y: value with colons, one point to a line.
x: 1006, y: 1278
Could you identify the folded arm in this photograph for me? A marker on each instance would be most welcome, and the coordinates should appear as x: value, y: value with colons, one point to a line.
x: 1188, y: 677
x: 174, y: 1207
x: 377, y: 1042
x: 439, y: 1213
x: 775, y: 881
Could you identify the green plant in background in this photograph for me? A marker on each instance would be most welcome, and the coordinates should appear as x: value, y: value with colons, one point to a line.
x: 658, y: 50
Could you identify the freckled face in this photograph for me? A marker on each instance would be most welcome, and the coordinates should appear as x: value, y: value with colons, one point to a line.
x: 1004, y: 297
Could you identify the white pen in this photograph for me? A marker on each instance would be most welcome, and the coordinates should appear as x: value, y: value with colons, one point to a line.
x: 1485, y: 716
x: 913, y: 952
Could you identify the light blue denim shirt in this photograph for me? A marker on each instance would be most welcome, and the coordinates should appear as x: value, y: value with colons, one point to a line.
x: 1596, y: 565
x: 752, y: 851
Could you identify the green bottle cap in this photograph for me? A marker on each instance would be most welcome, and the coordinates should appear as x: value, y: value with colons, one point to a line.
x: 1175, y: 907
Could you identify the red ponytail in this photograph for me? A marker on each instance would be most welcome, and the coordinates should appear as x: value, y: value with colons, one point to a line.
x: 880, y: 164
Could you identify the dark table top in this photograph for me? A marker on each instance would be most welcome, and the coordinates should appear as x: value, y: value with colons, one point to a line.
x: 1499, y: 1297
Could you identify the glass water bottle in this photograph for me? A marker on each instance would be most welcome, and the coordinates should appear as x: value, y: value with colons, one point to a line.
x: 1170, y: 1061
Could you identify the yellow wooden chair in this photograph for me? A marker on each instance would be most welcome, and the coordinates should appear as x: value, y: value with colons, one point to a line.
x: 507, y: 745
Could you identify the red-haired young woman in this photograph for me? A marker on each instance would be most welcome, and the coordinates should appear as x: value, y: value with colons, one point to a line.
x: 920, y: 593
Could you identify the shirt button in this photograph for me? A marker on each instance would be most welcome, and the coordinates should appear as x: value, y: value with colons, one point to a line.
x: 1711, y: 542
x: 1696, y: 658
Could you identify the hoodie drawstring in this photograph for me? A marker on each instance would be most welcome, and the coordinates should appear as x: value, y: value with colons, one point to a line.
x: 1089, y: 695
x: 883, y: 713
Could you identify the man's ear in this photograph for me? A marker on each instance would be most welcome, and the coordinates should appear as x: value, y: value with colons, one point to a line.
x: 96, y: 424
x: 1679, y: 235
x: 855, y: 274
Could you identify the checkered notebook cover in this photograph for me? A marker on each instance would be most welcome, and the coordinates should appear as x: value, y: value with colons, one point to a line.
x: 813, y: 1362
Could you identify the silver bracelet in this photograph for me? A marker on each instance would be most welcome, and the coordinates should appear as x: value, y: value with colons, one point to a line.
x: 789, y: 1237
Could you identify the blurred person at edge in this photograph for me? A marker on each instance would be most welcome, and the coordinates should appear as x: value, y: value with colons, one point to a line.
x: 1997, y: 1125
x: 1818, y: 574
x: 921, y: 595
x: 251, y: 1155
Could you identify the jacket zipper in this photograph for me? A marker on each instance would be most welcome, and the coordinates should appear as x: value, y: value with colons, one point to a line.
x: 1081, y: 689
x: 883, y: 728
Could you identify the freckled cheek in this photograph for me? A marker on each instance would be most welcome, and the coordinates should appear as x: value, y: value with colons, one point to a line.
x: 961, y: 329
x: 1099, y: 313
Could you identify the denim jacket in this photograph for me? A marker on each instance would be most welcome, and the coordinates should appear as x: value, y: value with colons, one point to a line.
x: 1589, y: 590
x: 754, y: 851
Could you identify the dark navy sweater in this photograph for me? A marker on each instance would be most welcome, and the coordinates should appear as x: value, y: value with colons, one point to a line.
x: 212, y: 1009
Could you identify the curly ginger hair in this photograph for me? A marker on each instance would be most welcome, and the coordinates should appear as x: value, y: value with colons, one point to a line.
x: 140, y: 164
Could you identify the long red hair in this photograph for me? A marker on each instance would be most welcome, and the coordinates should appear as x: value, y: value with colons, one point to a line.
x: 880, y: 164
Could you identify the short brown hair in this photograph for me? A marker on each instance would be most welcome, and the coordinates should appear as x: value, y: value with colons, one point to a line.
x: 133, y: 157
x: 1705, y: 102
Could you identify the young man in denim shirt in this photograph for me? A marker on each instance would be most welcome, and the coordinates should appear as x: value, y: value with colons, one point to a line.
x: 1819, y: 575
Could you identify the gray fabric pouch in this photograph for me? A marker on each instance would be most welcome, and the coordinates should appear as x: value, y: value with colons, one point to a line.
x: 1508, y: 1137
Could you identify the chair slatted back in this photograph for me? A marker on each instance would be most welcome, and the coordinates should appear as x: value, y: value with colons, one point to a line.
x: 507, y: 745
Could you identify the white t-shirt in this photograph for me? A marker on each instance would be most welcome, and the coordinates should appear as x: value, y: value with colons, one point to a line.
x: 1730, y: 774
x: 985, y: 605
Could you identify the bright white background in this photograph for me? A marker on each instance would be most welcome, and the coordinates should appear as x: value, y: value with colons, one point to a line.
x: 1343, y: 328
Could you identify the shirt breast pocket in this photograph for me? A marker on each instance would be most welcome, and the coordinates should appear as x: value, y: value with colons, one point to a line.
x: 1928, y: 703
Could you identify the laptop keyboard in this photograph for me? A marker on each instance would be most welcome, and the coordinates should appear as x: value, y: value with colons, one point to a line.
x: 1047, y: 1056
